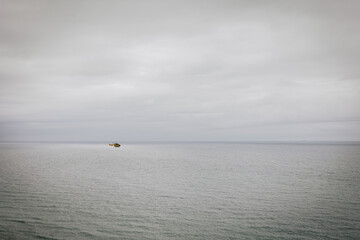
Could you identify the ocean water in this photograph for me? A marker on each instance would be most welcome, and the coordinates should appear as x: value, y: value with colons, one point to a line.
x: 179, y: 191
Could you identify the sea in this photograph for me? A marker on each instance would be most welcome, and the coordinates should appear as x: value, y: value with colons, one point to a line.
x: 187, y: 191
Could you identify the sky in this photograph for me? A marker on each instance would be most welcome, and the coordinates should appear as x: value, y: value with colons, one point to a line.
x: 180, y: 70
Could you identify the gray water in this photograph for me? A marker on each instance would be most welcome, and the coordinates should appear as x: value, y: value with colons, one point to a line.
x: 179, y: 191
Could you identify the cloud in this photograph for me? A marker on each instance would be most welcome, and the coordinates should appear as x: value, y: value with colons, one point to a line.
x: 161, y: 70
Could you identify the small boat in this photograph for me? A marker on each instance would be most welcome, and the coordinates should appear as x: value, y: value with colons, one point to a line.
x: 114, y: 144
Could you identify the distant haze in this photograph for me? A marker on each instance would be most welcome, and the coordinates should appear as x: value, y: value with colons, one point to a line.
x: 180, y: 70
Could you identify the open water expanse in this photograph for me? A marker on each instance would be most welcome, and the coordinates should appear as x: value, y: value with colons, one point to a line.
x: 179, y: 191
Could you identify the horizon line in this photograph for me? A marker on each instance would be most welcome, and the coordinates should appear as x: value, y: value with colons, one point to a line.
x: 184, y: 141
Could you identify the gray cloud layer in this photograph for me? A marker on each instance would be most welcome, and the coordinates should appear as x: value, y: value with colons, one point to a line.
x: 180, y: 70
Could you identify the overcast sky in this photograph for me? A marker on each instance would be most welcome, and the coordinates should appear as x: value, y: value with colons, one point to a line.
x: 180, y: 70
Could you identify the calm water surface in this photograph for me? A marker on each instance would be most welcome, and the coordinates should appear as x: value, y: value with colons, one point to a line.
x: 179, y: 191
